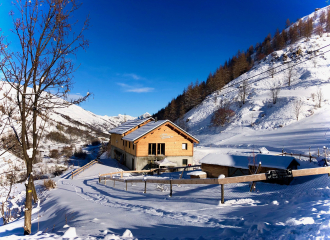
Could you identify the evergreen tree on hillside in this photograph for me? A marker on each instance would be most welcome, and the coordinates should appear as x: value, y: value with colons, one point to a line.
x: 293, y: 33
x: 287, y: 24
x: 189, y: 97
x: 172, y: 111
x: 322, y: 18
x: 300, y: 27
x: 240, y: 64
x: 327, y: 26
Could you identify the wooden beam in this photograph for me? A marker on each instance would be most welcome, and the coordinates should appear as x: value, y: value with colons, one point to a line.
x: 310, y: 171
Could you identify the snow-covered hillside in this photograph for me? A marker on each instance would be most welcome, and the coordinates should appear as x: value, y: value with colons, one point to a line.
x: 259, y: 122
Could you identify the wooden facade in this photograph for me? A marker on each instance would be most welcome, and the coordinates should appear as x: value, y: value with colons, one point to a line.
x: 167, y: 140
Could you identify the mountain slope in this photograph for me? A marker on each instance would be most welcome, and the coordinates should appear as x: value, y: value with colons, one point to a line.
x: 258, y: 121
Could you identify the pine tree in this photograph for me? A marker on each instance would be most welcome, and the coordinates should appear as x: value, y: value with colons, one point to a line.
x: 287, y: 24
x: 188, y: 97
x: 293, y: 33
x: 285, y: 37
x: 323, y: 19
x: 300, y: 27
x: 327, y: 26
x: 240, y: 65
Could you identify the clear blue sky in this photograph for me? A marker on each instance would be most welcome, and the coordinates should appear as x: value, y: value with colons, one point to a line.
x: 144, y: 53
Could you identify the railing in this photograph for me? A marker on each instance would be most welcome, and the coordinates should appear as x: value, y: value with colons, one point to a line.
x: 220, y: 181
x: 79, y: 170
x: 122, y: 172
x: 148, y: 171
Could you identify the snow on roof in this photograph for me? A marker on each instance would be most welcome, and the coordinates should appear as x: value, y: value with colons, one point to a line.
x: 148, y: 128
x: 165, y: 162
x: 196, y: 173
x: 128, y: 125
x: 269, y: 161
x: 226, y: 160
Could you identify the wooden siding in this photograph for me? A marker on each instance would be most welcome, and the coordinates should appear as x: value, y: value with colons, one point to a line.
x: 213, y: 171
x: 172, y: 138
x: 116, y: 140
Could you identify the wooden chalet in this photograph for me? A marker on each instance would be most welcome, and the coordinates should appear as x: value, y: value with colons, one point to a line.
x: 231, y: 165
x: 139, y: 143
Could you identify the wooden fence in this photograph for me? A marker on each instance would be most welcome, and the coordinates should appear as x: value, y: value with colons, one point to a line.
x: 220, y: 181
x: 79, y: 170
x: 158, y: 170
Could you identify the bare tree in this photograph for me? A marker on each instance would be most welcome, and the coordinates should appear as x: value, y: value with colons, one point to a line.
x: 297, y: 108
x: 41, y: 72
x: 223, y: 114
x: 319, y: 97
x: 243, y: 92
x: 271, y: 71
x: 290, y: 73
x: 275, y: 90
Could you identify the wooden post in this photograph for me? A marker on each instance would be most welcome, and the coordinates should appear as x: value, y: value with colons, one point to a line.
x: 257, y: 172
x: 222, y: 193
x: 170, y: 188
x: 114, y: 182
x: 145, y: 186
x: 126, y: 185
x: 105, y: 179
x: 121, y: 174
x: 72, y: 175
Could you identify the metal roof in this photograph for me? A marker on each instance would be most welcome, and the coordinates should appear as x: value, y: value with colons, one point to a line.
x: 138, y: 133
x: 128, y: 125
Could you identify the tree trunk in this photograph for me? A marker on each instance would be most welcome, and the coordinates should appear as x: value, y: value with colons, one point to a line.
x: 28, y: 201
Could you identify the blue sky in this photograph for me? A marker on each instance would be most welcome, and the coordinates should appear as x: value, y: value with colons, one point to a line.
x: 144, y: 53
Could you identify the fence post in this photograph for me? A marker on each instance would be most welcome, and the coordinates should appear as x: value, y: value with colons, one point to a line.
x: 105, y: 179
x: 170, y: 188
x: 257, y: 172
x: 222, y: 193
x: 114, y: 182
x: 145, y: 186
x: 121, y: 174
x: 72, y: 175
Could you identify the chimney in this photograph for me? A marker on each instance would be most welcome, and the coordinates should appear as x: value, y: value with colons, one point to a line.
x: 155, y: 119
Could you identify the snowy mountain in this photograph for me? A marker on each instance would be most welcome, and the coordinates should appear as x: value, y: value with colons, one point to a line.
x: 259, y: 122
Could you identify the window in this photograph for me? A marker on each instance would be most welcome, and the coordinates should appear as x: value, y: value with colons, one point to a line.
x: 126, y: 143
x: 161, y: 149
x: 133, y: 145
x: 129, y: 144
x: 152, y: 149
x: 123, y: 142
x: 184, y: 162
x: 184, y: 146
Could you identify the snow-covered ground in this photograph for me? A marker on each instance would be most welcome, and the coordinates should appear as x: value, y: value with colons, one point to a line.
x: 92, y: 210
